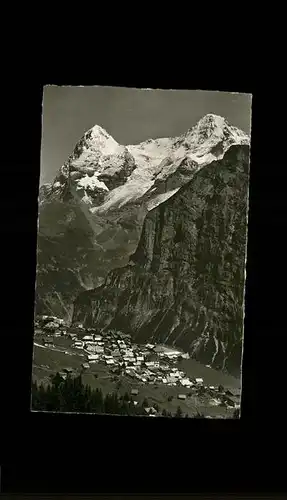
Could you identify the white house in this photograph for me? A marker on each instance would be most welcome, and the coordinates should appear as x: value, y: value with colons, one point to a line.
x: 88, y: 337
x: 85, y: 365
x: 90, y: 348
x: 99, y: 350
x: 93, y: 357
x: 181, y: 396
x: 214, y: 402
x: 97, y: 337
x: 186, y: 382
x: 78, y: 344
x: 171, y: 380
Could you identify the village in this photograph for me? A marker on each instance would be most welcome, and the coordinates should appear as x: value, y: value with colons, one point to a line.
x: 146, y: 364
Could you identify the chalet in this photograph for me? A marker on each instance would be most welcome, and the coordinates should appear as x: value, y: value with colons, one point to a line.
x: 134, y: 392
x: 186, y: 382
x: 93, y: 357
x: 90, y: 348
x: 181, y: 396
x: 214, y: 402
x: 99, y: 350
x: 171, y: 380
x: 110, y: 362
x: 116, y: 353
x: 85, y: 366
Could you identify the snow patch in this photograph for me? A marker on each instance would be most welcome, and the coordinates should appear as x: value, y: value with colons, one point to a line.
x: 91, y: 182
x: 161, y: 198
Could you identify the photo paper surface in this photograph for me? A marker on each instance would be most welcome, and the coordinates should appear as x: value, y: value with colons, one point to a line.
x: 141, y: 252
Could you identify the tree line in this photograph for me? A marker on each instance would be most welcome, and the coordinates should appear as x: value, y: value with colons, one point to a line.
x: 71, y: 395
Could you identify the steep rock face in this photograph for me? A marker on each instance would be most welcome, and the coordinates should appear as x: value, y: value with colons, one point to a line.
x: 184, y: 284
x: 91, y: 215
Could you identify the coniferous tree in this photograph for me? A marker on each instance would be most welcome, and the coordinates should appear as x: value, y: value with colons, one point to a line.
x: 236, y: 413
x: 145, y: 403
x: 72, y: 395
x: 179, y: 412
x: 126, y: 397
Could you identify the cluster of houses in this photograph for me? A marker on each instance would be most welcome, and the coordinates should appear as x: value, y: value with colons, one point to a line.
x: 147, y: 364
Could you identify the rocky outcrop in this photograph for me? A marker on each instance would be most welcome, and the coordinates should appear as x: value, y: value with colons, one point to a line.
x: 184, y: 285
